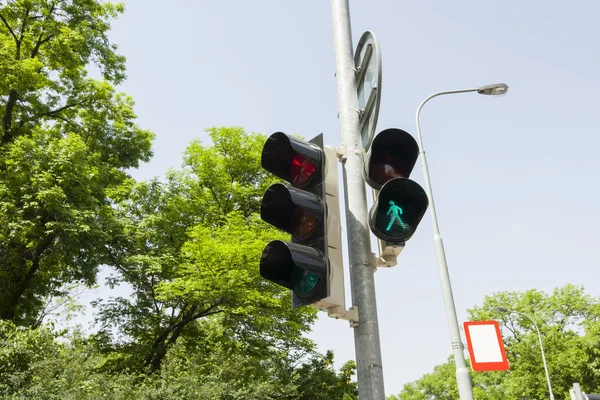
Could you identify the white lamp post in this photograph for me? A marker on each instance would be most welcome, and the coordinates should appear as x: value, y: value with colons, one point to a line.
x: 465, y: 388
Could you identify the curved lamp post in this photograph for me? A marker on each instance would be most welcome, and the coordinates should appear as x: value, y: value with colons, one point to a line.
x: 465, y: 388
x: 507, y: 311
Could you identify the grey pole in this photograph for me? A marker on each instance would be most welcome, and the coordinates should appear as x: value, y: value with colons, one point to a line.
x: 504, y: 310
x: 463, y: 378
x: 366, y: 332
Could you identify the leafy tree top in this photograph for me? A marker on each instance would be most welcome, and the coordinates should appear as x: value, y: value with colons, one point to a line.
x: 65, y: 138
x: 569, y: 322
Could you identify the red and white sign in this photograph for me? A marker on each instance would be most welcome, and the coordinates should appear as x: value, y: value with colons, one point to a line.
x: 486, y: 347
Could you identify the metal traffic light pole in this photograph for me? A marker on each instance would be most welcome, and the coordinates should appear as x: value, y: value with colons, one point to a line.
x: 362, y: 268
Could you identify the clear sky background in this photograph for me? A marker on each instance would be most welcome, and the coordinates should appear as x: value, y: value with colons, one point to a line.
x: 515, y: 178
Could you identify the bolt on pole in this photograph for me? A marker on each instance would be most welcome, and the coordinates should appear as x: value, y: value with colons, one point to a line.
x: 366, y: 333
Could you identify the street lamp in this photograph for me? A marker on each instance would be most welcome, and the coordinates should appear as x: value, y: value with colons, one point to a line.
x: 465, y: 388
x: 504, y: 310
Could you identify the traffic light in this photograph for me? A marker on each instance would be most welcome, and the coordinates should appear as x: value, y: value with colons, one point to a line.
x: 400, y: 203
x: 311, y: 264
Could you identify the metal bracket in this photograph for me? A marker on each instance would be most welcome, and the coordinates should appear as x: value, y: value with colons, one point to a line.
x: 380, y: 262
x: 350, y: 315
x: 388, y: 254
x: 340, y: 152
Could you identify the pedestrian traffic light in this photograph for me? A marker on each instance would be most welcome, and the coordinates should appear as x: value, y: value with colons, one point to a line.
x: 311, y: 264
x: 400, y: 203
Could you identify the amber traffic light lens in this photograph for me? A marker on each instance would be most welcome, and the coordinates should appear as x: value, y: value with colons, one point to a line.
x: 303, y: 223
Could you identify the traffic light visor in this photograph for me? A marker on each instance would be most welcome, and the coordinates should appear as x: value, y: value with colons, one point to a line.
x: 294, y: 211
x: 291, y: 159
x: 300, y: 268
x: 393, y: 155
x: 399, y: 209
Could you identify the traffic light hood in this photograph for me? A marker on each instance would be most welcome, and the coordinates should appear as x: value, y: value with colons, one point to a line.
x: 280, y: 154
x: 303, y: 269
x: 393, y: 154
x: 398, y: 210
x: 295, y: 211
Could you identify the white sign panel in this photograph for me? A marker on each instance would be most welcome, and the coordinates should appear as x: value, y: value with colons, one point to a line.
x: 486, y: 347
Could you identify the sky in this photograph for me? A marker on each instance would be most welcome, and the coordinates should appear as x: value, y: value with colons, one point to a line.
x: 514, y: 177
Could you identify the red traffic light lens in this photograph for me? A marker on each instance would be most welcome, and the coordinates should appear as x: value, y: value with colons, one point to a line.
x: 386, y: 166
x: 301, y: 170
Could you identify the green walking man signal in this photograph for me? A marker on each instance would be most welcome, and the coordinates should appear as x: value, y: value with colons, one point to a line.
x: 396, y: 212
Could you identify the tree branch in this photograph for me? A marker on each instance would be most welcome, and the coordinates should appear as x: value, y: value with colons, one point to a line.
x: 9, y: 29
x: 65, y: 107
x: 160, y: 345
x: 157, y: 308
x: 8, y: 114
x: 215, y: 197
x: 40, y: 42
x: 22, y: 33
x: 36, y: 256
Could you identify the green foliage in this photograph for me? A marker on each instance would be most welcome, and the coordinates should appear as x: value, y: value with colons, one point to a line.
x: 21, y: 349
x: 34, y: 364
x: 318, y: 380
x: 200, y: 322
x: 64, y: 139
x: 190, y: 251
x: 569, y: 321
x: 439, y: 385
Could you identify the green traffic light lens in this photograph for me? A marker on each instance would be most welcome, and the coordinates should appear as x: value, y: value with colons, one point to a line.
x: 398, y: 210
x: 303, y: 282
x: 393, y: 219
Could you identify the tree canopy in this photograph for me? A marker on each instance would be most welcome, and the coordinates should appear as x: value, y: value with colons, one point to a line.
x: 199, y: 323
x: 65, y: 140
x: 569, y: 321
x: 190, y: 249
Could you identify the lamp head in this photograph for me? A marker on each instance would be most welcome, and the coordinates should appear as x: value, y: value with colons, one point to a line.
x: 497, y: 89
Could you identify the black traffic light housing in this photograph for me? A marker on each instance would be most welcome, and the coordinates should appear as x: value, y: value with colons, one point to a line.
x: 401, y: 202
x: 295, y: 211
x: 300, y: 268
x: 301, y: 210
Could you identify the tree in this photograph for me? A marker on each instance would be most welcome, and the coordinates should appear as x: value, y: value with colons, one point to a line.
x: 38, y: 363
x: 318, y: 380
x: 200, y: 318
x: 65, y: 139
x: 569, y: 321
x: 190, y: 251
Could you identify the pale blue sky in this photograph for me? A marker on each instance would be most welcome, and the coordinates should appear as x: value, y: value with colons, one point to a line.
x: 515, y: 178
